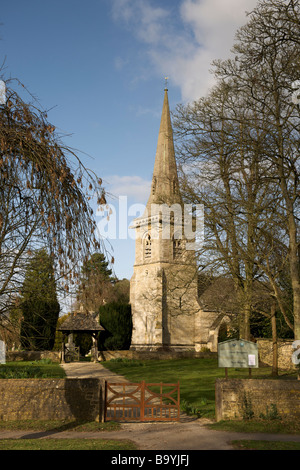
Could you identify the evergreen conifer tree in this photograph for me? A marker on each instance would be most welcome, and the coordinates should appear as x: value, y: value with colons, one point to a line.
x: 39, y: 305
x: 116, y: 319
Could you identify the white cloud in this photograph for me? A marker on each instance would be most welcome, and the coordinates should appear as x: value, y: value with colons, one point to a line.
x: 135, y: 188
x: 120, y: 63
x: 146, y: 19
x: 182, y: 42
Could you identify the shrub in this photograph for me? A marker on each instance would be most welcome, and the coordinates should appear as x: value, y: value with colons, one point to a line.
x: 190, y: 409
x: 271, y: 413
x: 248, y: 412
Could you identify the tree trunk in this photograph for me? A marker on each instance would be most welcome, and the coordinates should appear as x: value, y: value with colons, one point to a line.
x: 245, y: 323
x: 294, y: 270
x: 274, y: 341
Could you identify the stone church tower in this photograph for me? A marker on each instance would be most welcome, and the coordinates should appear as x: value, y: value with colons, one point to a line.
x: 163, y: 288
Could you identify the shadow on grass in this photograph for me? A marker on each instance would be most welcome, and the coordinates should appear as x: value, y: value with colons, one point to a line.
x: 49, y: 432
x: 56, y: 428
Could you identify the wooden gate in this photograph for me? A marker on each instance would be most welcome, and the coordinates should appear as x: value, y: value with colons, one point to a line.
x: 141, y: 401
x: 71, y: 354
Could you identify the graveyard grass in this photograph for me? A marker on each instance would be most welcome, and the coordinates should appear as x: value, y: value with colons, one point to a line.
x: 66, y: 444
x: 43, y: 368
x: 265, y: 445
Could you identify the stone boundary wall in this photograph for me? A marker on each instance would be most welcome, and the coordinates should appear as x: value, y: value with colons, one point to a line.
x: 33, y: 355
x: 285, y: 351
x: 55, y: 356
x: 145, y: 355
x: 232, y: 395
x: 51, y: 399
x: 265, y: 354
x: 265, y: 351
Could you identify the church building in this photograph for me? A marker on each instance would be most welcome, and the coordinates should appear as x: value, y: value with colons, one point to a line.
x: 163, y: 289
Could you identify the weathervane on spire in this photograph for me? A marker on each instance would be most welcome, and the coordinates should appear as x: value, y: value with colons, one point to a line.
x: 166, y: 82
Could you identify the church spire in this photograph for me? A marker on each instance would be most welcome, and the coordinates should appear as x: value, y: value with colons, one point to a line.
x: 165, y: 188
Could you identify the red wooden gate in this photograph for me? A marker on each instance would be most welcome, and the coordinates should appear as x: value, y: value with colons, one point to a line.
x: 141, y: 401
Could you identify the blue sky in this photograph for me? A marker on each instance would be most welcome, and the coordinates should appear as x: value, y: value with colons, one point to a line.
x: 99, y: 67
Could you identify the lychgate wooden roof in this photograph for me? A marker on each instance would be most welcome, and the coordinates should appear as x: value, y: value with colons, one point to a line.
x: 81, y: 322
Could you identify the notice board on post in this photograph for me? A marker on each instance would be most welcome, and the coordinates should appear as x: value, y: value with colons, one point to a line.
x: 238, y: 354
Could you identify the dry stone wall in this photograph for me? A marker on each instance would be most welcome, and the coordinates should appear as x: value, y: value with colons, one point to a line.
x: 51, y: 399
x: 285, y: 351
x: 155, y: 355
x: 33, y: 355
x: 235, y: 398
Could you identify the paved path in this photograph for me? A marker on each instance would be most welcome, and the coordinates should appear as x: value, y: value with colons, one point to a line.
x: 91, y: 369
x: 187, y: 434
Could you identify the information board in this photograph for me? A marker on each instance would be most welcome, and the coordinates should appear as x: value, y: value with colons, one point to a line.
x: 238, y: 354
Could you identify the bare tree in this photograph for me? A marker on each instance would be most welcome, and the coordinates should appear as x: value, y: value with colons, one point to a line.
x: 266, y: 66
x: 245, y: 134
x: 220, y: 155
x: 44, y: 197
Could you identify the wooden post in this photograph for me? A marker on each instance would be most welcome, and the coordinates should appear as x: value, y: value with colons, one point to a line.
x: 142, y: 400
x: 178, y: 401
x: 226, y: 373
x: 63, y: 350
x: 274, y: 340
x: 105, y: 401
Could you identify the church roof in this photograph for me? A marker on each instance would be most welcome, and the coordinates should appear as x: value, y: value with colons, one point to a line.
x: 79, y: 321
x: 221, y: 296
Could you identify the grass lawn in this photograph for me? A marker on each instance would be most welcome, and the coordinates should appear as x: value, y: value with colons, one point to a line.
x: 275, y: 426
x: 266, y: 445
x: 66, y: 444
x: 63, y: 425
x: 31, y: 369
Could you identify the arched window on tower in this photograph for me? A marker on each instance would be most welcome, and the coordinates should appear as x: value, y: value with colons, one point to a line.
x: 147, y: 246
